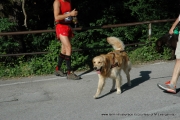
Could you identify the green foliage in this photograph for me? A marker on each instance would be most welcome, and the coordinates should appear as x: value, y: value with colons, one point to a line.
x: 147, y: 52
x: 148, y: 10
x: 38, y: 65
x: 40, y: 16
x: 6, y: 42
x: 6, y: 25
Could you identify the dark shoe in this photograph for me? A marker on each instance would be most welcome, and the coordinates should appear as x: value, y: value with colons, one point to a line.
x: 167, y: 87
x: 73, y: 76
x: 59, y: 73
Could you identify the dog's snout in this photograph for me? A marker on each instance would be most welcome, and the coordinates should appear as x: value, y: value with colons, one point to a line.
x: 95, y: 68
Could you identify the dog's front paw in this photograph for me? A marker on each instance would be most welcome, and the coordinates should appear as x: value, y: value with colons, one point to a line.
x: 95, y: 96
x: 118, y: 92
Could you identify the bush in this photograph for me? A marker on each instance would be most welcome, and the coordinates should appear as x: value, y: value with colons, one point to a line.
x: 87, y: 41
x: 147, y: 52
x: 6, y: 42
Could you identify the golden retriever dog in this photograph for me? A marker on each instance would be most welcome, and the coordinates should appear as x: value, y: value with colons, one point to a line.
x: 110, y: 65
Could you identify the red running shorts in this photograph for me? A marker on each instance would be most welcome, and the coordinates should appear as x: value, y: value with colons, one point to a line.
x: 64, y: 30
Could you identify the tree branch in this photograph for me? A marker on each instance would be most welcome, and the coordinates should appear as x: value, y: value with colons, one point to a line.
x: 24, y: 12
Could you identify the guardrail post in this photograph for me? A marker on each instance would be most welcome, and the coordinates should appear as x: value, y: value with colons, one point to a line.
x: 149, y: 31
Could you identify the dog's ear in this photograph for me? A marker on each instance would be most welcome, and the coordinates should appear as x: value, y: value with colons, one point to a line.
x: 106, y: 64
x: 103, y: 59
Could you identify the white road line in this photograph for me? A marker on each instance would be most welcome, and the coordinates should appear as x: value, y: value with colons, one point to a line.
x: 34, y: 81
x: 29, y: 82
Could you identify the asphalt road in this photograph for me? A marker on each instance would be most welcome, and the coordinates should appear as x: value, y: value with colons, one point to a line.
x: 56, y: 98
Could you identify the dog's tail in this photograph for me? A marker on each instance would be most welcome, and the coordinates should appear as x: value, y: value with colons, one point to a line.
x: 116, y: 43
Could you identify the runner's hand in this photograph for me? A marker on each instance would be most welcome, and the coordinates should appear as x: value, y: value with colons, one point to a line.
x: 171, y: 31
x: 74, y: 12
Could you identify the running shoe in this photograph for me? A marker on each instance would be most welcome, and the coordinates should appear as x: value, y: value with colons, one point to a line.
x: 167, y: 87
x: 73, y: 76
x: 59, y: 72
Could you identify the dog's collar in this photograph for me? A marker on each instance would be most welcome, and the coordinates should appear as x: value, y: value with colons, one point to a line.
x: 114, y: 65
x: 122, y: 51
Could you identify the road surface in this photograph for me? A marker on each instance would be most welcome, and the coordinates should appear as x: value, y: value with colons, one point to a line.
x: 56, y: 98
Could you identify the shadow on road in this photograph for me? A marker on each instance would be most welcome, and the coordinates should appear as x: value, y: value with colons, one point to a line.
x: 177, y: 93
x: 135, y: 82
x: 144, y: 76
x: 106, y: 94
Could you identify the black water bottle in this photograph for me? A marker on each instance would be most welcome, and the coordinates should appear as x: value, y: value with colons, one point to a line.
x: 75, y: 21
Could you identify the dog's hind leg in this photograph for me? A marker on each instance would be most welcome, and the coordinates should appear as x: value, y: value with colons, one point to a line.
x: 113, y: 85
x: 126, y: 71
x: 101, y: 84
